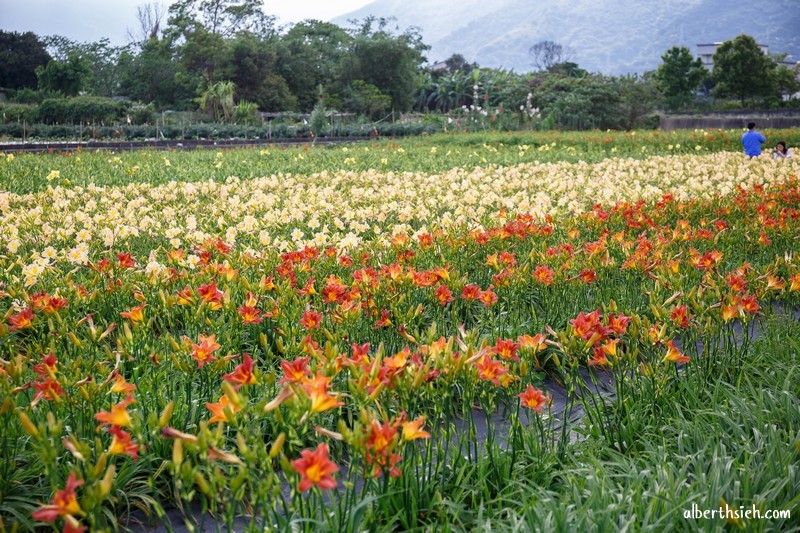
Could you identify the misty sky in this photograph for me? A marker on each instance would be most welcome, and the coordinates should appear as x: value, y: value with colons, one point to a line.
x: 91, y: 20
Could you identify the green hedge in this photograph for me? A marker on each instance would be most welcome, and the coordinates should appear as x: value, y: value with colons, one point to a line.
x: 18, y: 113
x: 206, y: 131
x: 86, y: 109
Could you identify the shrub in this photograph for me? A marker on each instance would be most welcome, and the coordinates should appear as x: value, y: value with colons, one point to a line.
x: 81, y: 109
x: 18, y: 113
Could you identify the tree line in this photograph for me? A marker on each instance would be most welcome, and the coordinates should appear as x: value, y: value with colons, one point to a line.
x: 228, y: 59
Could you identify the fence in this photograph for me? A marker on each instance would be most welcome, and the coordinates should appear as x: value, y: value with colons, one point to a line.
x: 733, y: 120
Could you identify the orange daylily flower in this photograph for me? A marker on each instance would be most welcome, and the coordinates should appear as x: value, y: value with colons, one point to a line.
x: 413, y: 430
x: 394, y: 272
x: 175, y: 255
x: 586, y: 325
x: 731, y: 311
x: 49, y: 305
x: 219, y: 409
x: 358, y: 352
x: 488, y: 297
x: 211, y: 295
x: 535, y: 343
x: 315, y: 469
x: 311, y: 347
x: 308, y: 289
x: 204, y: 352
x: 250, y: 315
x: 268, y: 284
x: 794, y: 281
x: 135, y: 314
x: 750, y: 304
x: 185, y: 296
x: 311, y: 319
x: 49, y: 389
x: 436, y: 348
x: 394, y: 364
x: 121, y: 443
x: 543, y: 274
x: 506, y: 349
x: 295, y: 372
x: 118, y: 416
x: 399, y: 240
x: 600, y: 357
x: 736, y: 281
x: 425, y: 240
x: 471, y: 292
x: 22, y: 320
x: 490, y: 370
x: 317, y: 391
x: 618, y: 323
x: 122, y: 386
x: 680, y: 316
x: 48, y: 366
x: 775, y: 283
x: 382, y: 437
x: 674, y: 354
x: 126, y: 261
x: 426, y: 278
x: 242, y: 374
x: 588, y: 276
x: 64, y: 502
x: 334, y: 293
x: 384, y: 321
x: 533, y: 398
x: 609, y: 348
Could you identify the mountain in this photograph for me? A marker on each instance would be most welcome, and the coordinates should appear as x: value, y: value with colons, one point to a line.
x: 608, y: 36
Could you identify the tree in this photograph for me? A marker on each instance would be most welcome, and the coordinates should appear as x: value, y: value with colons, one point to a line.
x: 742, y: 70
x: 386, y: 61
x: 150, y: 17
x: 150, y: 75
x: 590, y: 102
x: 217, y: 101
x: 20, y: 55
x: 785, y: 80
x: 639, y: 98
x: 678, y: 76
x: 311, y: 54
x: 568, y: 69
x: 457, y: 63
x: 253, y: 70
x: 103, y: 62
x: 366, y: 99
x: 545, y: 54
x: 67, y: 77
x: 100, y: 57
x: 220, y: 17
x: 204, y: 56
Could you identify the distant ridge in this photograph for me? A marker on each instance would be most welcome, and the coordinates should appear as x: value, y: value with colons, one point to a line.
x: 608, y: 36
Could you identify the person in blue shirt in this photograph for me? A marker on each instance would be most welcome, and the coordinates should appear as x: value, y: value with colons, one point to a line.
x: 752, y: 141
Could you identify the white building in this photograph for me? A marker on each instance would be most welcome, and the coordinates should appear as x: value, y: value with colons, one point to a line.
x: 706, y: 53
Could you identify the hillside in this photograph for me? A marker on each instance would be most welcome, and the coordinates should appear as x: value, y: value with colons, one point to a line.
x: 612, y: 37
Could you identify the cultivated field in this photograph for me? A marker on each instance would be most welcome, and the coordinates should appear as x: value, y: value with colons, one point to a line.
x: 551, y: 332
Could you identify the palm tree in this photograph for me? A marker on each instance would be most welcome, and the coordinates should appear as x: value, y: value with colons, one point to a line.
x: 217, y: 100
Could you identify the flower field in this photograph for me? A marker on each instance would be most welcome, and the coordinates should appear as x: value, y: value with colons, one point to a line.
x: 545, y: 335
